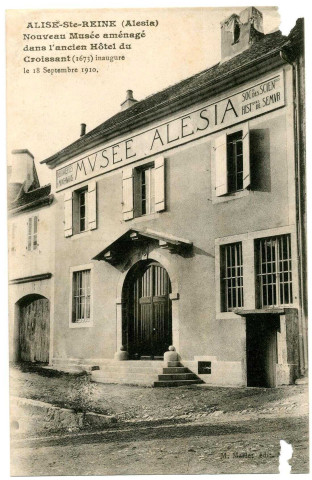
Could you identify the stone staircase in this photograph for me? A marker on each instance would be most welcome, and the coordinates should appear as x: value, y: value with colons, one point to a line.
x: 175, y: 375
x: 150, y: 373
x: 130, y: 372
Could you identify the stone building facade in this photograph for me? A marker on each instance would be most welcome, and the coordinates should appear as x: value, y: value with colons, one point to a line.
x: 31, y: 260
x: 181, y: 221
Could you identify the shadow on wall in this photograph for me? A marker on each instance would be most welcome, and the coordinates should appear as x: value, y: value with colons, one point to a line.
x: 260, y: 161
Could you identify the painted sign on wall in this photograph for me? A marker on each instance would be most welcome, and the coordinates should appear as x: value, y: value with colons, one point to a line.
x: 252, y: 101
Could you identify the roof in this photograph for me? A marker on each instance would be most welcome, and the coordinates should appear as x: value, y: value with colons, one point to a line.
x: 169, y: 96
x: 31, y: 199
x: 296, y: 34
x: 296, y: 39
x: 116, y: 250
x: 124, y: 121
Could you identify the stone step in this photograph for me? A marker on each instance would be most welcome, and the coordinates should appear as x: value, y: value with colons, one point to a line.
x: 130, y: 369
x: 176, y: 383
x: 174, y: 364
x: 175, y: 370
x: 177, y: 376
x: 129, y: 378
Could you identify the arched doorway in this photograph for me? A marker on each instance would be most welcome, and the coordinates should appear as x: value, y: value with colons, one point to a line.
x: 147, y: 317
x: 33, y: 329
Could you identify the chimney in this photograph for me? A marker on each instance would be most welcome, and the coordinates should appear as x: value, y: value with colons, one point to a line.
x: 129, y: 100
x: 239, y: 32
x: 83, y: 127
x: 22, y: 169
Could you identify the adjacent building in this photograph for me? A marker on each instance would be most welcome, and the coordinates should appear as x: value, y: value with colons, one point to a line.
x: 31, y: 260
x: 181, y: 221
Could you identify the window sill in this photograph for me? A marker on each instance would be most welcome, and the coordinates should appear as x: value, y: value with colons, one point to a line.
x: 145, y: 218
x: 230, y: 196
x: 81, y: 234
x: 81, y: 325
x: 227, y: 316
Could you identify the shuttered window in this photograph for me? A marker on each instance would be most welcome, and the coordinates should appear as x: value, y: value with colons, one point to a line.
x: 80, y: 210
x: 232, y: 164
x: 144, y: 189
x: 13, y: 237
x: 32, y: 233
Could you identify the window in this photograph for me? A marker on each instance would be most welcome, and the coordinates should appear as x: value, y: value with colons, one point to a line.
x: 146, y: 191
x: 232, y: 162
x: 81, y: 297
x: 143, y: 189
x: 235, y: 162
x: 231, y: 277
x: 80, y: 210
x: 32, y: 233
x: 13, y: 237
x: 236, y: 33
x: 274, y: 275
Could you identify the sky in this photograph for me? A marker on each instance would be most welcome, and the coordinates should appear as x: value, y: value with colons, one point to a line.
x: 44, y: 111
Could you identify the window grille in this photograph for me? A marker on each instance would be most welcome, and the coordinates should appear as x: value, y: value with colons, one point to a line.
x: 232, y: 276
x: 81, y: 296
x: 235, y: 162
x: 274, y: 271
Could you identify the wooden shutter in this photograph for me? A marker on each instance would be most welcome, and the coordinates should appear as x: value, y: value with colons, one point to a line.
x: 159, y: 178
x: 246, y: 156
x: 127, y: 193
x: 221, y: 165
x: 35, y: 232
x: 92, y: 205
x: 13, y: 237
x: 68, y: 214
x: 29, y: 233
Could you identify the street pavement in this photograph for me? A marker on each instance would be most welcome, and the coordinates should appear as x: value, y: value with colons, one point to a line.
x: 215, y: 447
x: 182, y: 430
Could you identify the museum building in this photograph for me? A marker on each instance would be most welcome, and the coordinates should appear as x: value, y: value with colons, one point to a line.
x: 180, y: 221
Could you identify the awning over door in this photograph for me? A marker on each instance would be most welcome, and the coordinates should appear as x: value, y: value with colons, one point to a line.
x: 116, y: 250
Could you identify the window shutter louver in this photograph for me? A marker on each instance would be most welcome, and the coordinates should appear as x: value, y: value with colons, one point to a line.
x: 92, y: 205
x: 246, y: 155
x: 127, y: 193
x: 35, y: 233
x: 221, y: 165
x: 159, y: 178
x: 29, y: 225
x: 68, y: 214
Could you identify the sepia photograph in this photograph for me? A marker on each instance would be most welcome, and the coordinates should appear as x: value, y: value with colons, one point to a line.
x: 157, y: 241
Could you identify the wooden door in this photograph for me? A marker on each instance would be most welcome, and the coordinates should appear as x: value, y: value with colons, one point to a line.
x: 34, y: 331
x: 150, y: 317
